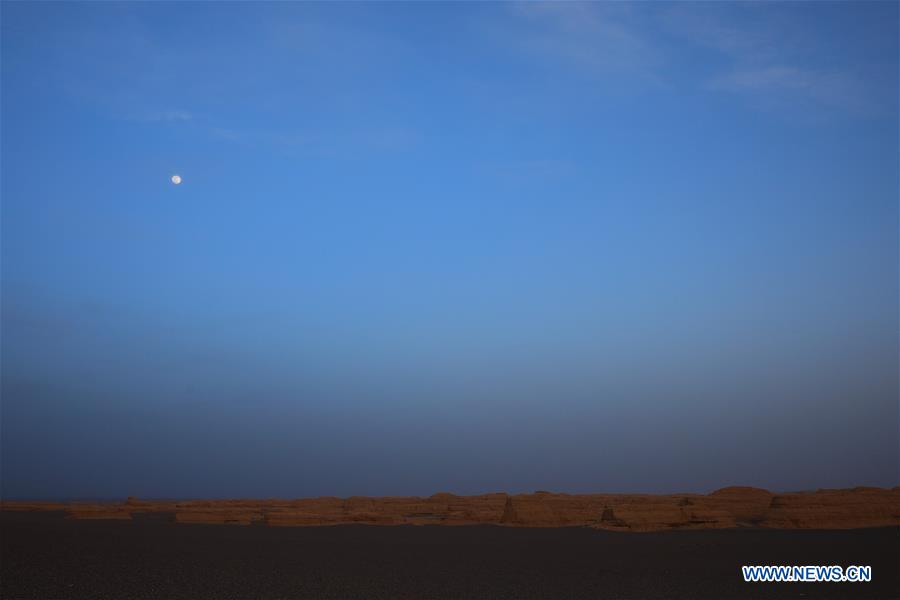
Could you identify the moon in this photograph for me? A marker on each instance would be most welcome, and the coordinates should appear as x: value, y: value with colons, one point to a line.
x: 176, y: 179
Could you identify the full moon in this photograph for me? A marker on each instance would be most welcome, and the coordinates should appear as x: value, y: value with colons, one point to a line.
x: 176, y: 179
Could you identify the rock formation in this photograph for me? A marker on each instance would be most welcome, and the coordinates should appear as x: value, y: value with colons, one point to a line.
x: 726, y: 508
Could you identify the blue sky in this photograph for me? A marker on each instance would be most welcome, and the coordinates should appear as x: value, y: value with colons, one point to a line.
x: 460, y: 247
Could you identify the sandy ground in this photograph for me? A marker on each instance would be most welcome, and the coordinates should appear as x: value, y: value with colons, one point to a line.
x: 46, y: 556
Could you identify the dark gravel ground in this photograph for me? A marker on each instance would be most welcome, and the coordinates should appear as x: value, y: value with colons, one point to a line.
x: 46, y: 556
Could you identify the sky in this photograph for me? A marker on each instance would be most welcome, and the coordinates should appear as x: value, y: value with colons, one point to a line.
x: 470, y: 247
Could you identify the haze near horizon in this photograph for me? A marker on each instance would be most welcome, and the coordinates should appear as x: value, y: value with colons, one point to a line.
x: 423, y: 247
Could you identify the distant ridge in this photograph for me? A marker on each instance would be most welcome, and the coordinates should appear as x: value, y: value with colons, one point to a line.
x: 729, y: 507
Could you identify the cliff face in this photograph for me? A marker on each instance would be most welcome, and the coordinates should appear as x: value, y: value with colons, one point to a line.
x: 834, y: 509
x: 725, y: 508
